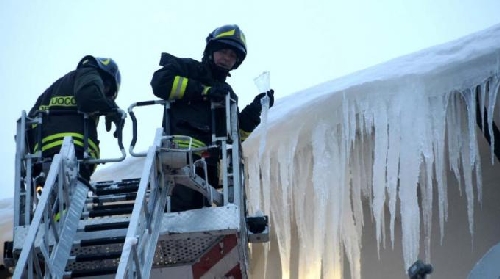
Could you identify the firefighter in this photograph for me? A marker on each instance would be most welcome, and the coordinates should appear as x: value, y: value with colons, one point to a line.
x: 193, y: 85
x: 91, y: 88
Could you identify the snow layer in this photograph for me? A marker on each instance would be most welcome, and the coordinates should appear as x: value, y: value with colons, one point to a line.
x: 386, y: 135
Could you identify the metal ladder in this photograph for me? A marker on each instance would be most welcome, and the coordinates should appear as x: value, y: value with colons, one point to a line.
x: 46, y: 243
x: 151, y: 230
x: 61, y: 188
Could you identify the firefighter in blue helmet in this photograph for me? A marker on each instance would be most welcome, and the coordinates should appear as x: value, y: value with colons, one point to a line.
x: 91, y: 88
x: 193, y: 85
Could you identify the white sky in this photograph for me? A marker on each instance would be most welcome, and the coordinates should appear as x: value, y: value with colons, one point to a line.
x: 302, y: 43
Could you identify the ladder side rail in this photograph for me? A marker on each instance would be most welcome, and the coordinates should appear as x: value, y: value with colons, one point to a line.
x: 156, y: 204
x: 148, y: 249
x: 72, y: 193
x: 236, y: 159
x: 28, y: 250
x: 238, y: 189
x: 63, y: 171
x: 224, y: 146
x: 126, y: 266
x: 225, y: 178
x: 23, y: 173
x: 29, y: 189
x: 20, y: 151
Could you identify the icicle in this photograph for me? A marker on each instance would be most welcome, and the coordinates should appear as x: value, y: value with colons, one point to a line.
x: 470, y: 99
x: 356, y: 184
x: 266, y: 194
x: 303, y: 198
x: 467, y: 166
x: 455, y: 138
x: 409, y: 173
x: 351, y: 235
x: 321, y: 177
x: 334, y: 180
x: 428, y: 110
x: 493, y: 92
x: 484, y: 89
x: 281, y: 207
x: 263, y: 85
x: 379, y: 169
x: 425, y: 183
x: 393, y: 154
x: 438, y: 125
x: 479, y: 183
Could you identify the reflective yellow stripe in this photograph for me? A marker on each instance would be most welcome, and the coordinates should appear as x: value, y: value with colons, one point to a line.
x: 57, y: 139
x: 185, y: 143
x: 225, y: 34
x: 178, y: 88
x: 205, y: 90
x: 92, y: 144
x: 244, y: 134
x: 93, y: 153
x: 57, y: 217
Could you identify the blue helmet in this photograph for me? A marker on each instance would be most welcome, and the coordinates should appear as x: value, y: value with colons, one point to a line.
x: 106, y: 65
x: 231, y: 36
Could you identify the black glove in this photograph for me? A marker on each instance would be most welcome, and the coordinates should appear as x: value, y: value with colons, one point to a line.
x: 257, y: 100
x: 116, y: 117
x: 218, y: 92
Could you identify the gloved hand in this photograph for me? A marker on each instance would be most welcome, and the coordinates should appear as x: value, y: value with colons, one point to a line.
x: 218, y: 92
x: 116, y: 117
x: 257, y: 100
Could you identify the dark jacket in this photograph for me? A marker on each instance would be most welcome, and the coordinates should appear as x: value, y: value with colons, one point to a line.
x: 81, y: 90
x: 184, y: 80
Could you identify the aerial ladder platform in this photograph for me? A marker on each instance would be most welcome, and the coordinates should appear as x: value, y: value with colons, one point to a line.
x: 125, y: 229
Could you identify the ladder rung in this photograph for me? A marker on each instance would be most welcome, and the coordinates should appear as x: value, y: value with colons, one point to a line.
x: 112, y: 198
x: 109, y: 212
x: 108, y: 226
x: 96, y: 257
x: 111, y: 206
x: 102, y: 241
x: 117, y: 190
x: 93, y: 272
x: 116, y: 183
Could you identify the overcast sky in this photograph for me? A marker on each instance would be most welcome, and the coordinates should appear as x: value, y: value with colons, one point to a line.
x: 301, y: 43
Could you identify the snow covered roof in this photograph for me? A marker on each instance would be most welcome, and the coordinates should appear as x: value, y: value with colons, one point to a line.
x: 385, y: 136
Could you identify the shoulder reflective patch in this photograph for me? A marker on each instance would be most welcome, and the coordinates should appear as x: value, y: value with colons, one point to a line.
x: 105, y: 62
x: 225, y: 34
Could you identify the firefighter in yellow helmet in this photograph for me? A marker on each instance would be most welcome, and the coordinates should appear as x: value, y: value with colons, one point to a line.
x: 92, y: 87
x: 193, y: 85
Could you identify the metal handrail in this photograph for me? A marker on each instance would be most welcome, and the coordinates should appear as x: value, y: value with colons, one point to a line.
x: 133, y: 118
